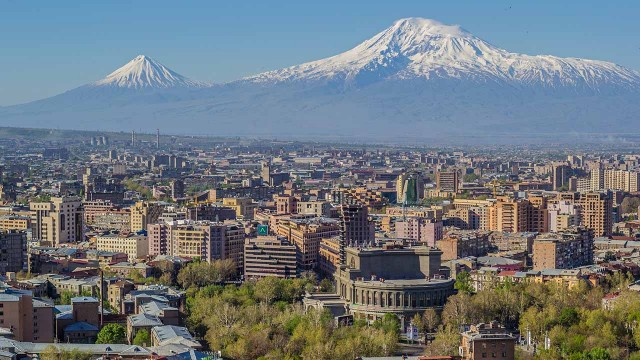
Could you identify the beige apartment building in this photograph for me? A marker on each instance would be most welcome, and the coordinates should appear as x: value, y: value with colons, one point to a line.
x: 14, y: 222
x: 203, y: 239
x: 135, y: 246
x: 57, y: 221
x: 144, y: 213
x: 306, y: 235
x: 596, y: 210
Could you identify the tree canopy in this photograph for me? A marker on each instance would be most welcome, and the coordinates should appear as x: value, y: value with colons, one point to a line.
x: 112, y: 334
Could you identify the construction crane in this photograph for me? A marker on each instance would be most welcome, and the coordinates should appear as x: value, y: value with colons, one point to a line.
x: 494, y: 184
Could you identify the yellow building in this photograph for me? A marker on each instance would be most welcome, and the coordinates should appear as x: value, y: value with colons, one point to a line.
x: 14, y: 222
x: 144, y: 213
x: 244, y: 207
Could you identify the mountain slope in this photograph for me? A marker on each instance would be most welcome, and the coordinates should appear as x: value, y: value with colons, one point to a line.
x: 418, y: 78
x: 421, y: 48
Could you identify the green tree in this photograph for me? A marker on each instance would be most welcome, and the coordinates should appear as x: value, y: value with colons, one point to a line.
x: 326, y: 286
x: 464, y: 282
x: 568, y: 317
x: 597, y: 354
x: 142, y: 338
x: 112, y: 334
x: 389, y: 323
x: 52, y: 352
x: 470, y: 177
x: 430, y: 320
x: 446, y: 342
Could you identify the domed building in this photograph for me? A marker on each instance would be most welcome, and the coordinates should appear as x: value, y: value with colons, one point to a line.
x: 392, y: 279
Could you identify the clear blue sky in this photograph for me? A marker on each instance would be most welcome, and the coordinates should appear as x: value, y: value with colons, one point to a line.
x: 47, y: 47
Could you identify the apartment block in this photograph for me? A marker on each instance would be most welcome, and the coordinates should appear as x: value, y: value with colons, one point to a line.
x: 13, y: 246
x: 144, y: 213
x: 29, y: 319
x: 244, y: 207
x: 269, y: 256
x: 135, y: 246
x: 15, y: 222
x: 447, y: 182
x: 57, y: 221
x: 419, y: 229
x: 203, y: 239
x: 306, y: 235
x: 566, y: 250
x: 464, y: 243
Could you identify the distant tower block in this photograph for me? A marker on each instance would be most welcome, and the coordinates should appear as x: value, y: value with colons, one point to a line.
x: 133, y: 138
x: 157, y: 138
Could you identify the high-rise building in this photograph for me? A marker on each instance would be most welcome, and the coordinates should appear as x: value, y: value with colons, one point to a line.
x: 563, y: 214
x: 597, y: 178
x: 144, y: 213
x: 560, y: 176
x: 519, y: 215
x: 566, y: 250
x: 357, y: 230
x: 177, y: 189
x: 269, y: 256
x: 447, y: 182
x: 306, y: 235
x: 203, y: 239
x: 597, y: 212
x: 57, y: 221
x: 409, y: 188
x: 613, y: 179
x: 12, y: 248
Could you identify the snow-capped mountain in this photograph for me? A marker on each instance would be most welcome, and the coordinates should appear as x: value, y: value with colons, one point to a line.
x: 144, y: 72
x: 416, y: 48
x: 417, y: 78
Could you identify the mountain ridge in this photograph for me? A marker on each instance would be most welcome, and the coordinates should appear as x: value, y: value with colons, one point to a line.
x: 426, y: 48
x: 418, y: 75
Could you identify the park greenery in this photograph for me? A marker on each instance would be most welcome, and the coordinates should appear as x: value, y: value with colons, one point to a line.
x: 574, y: 319
x: 264, y: 319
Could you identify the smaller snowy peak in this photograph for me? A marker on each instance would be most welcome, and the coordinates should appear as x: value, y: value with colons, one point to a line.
x: 145, y: 73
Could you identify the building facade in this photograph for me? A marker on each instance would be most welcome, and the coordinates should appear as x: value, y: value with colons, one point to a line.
x: 57, y: 221
x: 269, y: 256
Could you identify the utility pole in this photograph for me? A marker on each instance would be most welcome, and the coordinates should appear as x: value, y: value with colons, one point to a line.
x: 101, y: 299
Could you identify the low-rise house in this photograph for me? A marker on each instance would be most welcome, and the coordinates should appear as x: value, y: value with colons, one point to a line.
x: 170, y: 334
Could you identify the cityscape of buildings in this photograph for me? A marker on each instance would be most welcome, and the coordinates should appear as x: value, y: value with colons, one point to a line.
x: 392, y: 228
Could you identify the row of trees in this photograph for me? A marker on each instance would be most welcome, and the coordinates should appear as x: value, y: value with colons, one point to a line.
x: 573, y: 319
x: 264, y: 319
